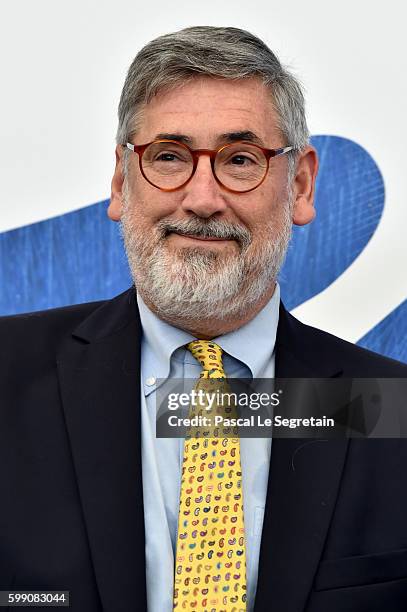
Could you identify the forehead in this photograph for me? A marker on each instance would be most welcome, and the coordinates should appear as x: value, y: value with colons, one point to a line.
x: 205, y: 108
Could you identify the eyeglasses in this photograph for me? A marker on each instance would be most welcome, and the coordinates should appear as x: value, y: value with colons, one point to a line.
x: 239, y: 167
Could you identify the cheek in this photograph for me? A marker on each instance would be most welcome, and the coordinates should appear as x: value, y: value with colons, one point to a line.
x: 149, y: 204
x: 264, y: 216
x: 257, y: 208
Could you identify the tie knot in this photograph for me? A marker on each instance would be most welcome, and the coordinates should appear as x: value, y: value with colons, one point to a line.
x: 209, y: 356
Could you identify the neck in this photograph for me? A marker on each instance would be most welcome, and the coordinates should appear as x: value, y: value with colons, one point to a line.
x: 206, y: 329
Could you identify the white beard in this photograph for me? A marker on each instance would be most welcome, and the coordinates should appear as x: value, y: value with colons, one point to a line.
x: 198, y: 284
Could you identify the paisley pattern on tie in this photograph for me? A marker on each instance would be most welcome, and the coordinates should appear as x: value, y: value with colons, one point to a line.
x: 210, y: 564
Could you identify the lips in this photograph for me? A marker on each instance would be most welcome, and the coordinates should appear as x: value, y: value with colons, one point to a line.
x: 200, y: 237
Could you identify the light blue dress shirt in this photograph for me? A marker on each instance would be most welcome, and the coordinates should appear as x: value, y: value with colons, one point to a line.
x: 248, y: 352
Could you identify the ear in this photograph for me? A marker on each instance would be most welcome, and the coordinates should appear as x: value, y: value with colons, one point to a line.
x: 114, y: 210
x: 304, y: 186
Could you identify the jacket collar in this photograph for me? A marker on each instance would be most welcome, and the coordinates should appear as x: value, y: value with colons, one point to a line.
x: 99, y: 374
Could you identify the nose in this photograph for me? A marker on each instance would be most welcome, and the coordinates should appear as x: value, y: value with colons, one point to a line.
x: 203, y: 195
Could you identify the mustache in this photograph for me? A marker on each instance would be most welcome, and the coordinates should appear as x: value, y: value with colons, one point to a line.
x: 206, y: 228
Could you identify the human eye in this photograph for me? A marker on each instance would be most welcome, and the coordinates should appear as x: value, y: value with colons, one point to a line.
x: 242, y: 159
x: 240, y: 155
x: 167, y: 156
x: 171, y: 157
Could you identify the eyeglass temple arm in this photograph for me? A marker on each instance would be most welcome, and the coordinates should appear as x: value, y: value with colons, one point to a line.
x: 282, y: 151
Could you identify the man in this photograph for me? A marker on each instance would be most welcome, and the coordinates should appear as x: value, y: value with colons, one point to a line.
x: 213, y: 166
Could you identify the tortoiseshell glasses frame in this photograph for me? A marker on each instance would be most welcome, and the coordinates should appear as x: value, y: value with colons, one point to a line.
x: 213, y: 154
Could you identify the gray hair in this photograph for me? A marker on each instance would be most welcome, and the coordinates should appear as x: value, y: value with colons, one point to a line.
x: 230, y: 53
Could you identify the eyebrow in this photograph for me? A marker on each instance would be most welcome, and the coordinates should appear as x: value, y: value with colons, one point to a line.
x: 178, y: 137
x: 243, y: 135
x: 225, y: 138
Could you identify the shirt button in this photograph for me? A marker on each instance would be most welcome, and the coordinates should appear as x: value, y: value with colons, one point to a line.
x: 150, y: 381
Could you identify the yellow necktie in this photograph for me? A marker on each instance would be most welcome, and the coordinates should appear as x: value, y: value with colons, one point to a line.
x: 210, y: 563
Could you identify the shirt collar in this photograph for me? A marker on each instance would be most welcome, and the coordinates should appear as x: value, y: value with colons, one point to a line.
x: 252, y: 344
x: 162, y: 338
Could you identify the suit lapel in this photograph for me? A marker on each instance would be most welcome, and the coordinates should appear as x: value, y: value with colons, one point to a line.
x: 99, y: 373
x: 303, y: 485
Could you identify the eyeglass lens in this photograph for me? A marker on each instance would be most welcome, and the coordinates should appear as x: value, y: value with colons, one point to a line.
x: 239, y: 167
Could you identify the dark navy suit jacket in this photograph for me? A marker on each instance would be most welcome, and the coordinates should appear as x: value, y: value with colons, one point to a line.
x: 71, y: 503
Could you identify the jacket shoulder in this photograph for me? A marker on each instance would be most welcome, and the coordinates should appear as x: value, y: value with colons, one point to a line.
x: 324, y: 351
x: 35, y: 334
x: 356, y: 360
